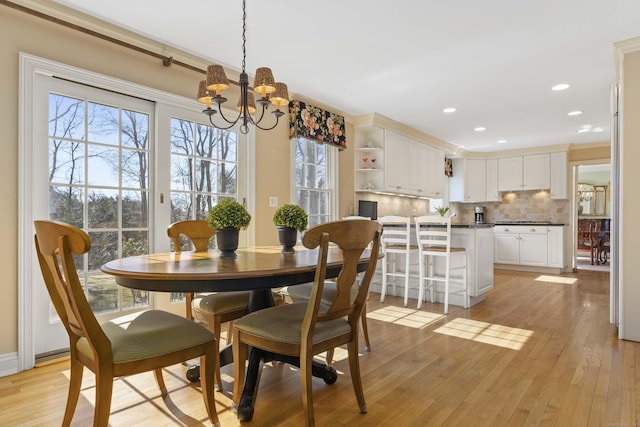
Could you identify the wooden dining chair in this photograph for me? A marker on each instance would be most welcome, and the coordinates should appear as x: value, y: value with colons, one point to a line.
x: 140, y: 342
x: 305, y: 329
x: 212, y: 309
x: 303, y: 293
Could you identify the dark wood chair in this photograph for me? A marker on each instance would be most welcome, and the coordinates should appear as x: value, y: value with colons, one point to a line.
x: 305, y: 329
x: 212, y: 309
x: 140, y: 342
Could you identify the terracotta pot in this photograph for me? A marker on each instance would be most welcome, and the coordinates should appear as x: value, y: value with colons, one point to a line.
x: 288, y: 237
x: 227, y: 240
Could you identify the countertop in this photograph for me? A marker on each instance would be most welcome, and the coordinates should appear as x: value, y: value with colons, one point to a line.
x: 491, y: 225
x: 548, y: 224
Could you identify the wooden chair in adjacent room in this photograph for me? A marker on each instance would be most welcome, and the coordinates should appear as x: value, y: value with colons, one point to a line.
x: 140, y: 342
x: 212, y: 309
x: 433, y: 234
x: 304, y: 329
x: 396, y: 242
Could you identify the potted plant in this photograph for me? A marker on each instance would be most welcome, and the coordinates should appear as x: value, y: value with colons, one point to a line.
x: 442, y: 210
x: 227, y: 218
x: 289, y: 219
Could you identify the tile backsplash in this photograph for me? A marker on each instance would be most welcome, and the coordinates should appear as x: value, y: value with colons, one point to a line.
x: 518, y: 206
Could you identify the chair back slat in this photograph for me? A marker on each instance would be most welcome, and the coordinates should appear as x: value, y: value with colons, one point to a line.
x: 433, y: 233
x: 398, y: 232
x: 197, y: 232
x: 56, y: 244
x: 352, y: 237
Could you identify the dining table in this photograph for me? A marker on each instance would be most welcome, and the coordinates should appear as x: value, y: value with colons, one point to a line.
x: 255, y: 269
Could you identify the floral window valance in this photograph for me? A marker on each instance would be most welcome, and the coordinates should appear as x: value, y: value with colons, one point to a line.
x: 307, y: 121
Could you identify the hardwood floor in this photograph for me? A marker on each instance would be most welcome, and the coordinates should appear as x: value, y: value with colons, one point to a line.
x: 538, y: 351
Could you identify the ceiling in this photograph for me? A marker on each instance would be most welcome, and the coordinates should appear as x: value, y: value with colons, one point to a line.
x: 495, y: 61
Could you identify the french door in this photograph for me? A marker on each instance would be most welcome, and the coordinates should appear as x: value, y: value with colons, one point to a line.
x: 94, y: 169
x: 122, y: 164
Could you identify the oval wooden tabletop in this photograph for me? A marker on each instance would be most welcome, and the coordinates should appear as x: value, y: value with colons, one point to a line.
x: 254, y: 268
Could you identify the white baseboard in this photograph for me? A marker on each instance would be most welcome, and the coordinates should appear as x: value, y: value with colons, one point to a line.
x: 8, y: 364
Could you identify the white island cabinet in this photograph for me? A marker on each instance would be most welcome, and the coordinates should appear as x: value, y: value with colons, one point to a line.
x: 478, y: 243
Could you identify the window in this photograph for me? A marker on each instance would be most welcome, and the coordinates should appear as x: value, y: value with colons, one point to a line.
x: 315, y: 172
x: 204, y: 167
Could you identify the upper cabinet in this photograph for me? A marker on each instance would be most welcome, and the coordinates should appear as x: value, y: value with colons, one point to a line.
x: 524, y: 173
x: 558, y: 176
x: 468, y: 183
x: 413, y: 168
x: 397, y: 155
x: 390, y: 162
x: 493, y: 195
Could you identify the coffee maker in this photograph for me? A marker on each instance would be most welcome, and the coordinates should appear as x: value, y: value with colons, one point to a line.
x: 480, y: 214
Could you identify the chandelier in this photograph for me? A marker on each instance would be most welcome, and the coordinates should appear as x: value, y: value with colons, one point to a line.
x: 264, y: 86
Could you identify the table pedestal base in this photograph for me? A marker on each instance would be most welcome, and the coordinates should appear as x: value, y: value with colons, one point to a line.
x: 257, y: 358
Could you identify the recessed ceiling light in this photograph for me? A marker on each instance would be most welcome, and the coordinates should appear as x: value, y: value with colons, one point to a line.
x: 584, y: 130
x: 598, y: 130
x: 502, y: 141
x: 574, y: 113
x: 449, y: 110
x: 480, y: 129
x: 561, y: 86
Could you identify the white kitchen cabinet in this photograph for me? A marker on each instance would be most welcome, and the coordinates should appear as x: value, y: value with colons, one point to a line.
x: 478, y: 244
x: 492, y: 194
x: 558, y: 175
x: 468, y: 183
x: 535, y: 172
x: 510, y: 173
x: 506, y: 247
x: 397, y: 155
x: 523, y: 245
x: 524, y: 173
x: 555, y: 247
x: 413, y: 168
x: 435, y: 183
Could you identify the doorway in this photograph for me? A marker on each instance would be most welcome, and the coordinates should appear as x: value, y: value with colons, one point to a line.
x: 593, y: 217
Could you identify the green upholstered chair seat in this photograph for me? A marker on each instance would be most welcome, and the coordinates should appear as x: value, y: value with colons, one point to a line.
x: 221, y: 303
x: 303, y: 292
x: 149, y: 334
x: 283, y: 323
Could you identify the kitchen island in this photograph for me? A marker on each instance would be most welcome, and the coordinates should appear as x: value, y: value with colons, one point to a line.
x: 477, y: 239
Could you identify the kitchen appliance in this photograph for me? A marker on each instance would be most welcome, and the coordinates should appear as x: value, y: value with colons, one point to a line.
x: 480, y: 215
x: 368, y: 208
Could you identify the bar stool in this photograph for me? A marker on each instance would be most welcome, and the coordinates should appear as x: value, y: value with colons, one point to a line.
x: 434, y: 240
x: 396, y: 241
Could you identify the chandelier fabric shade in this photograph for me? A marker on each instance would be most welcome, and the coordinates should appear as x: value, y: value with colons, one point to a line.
x: 314, y: 123
x: 268, y: 91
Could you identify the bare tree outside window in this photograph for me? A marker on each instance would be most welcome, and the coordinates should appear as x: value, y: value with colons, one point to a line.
x: 98, y: 181
x: 312, y: 187
x: 204, y: 168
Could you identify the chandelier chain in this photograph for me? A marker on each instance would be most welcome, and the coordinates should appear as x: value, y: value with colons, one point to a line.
x: 244, y: 35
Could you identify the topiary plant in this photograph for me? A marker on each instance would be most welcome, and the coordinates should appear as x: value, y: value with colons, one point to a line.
x: 293, y: 216
x: 228, y: 213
